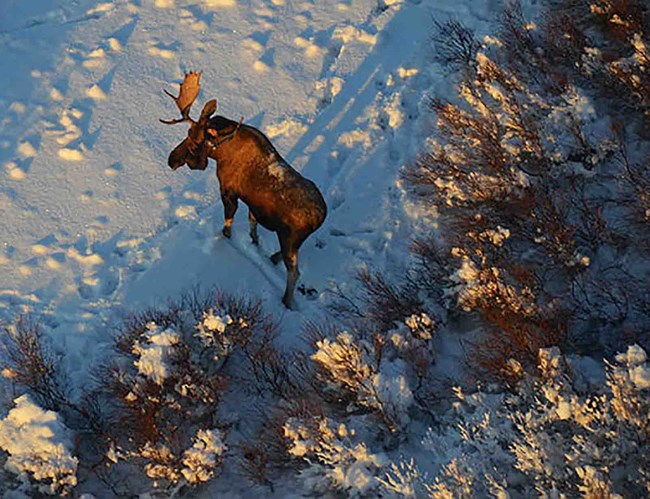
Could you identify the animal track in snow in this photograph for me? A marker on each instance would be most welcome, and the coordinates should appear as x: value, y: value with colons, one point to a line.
x: 12, y: 301
x: 164, y: 53
x: 219, y: 4
x: 14, y: 171
x: 330, y: 88
x: 95, y: 59
x: 164, y: 4
x: 310, y: 49
x: 95, y: 285
x: 289, y: 128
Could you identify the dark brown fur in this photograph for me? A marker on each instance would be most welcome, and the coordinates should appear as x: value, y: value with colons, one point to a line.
x: 249, y: 168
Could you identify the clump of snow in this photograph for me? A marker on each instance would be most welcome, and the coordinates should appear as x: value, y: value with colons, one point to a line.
x: 220, y: 333
x: 153, y: 349
x: 421, y: 325
x: 39, y: 447
x: 203, y: 457
x: 495, y: 236
x: 635, y: 362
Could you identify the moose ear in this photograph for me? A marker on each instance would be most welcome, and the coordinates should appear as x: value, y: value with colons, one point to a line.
x: 208, y: 110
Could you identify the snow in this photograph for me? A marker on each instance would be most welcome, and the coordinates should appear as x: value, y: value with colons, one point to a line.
x: 201, y: 459
x: 39, y: 446
x: 153, y: 354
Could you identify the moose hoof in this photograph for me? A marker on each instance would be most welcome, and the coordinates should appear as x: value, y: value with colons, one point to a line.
x: 288, y: 303
x: 226, y: 232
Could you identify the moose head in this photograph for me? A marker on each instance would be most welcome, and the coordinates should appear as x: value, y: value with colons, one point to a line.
x: 192, y: 150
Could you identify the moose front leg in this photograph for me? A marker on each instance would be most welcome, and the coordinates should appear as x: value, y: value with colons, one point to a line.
x: 229, y: 201
x: 252, y: 224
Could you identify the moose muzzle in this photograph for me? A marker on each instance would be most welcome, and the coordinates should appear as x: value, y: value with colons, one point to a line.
x: 182, y: 154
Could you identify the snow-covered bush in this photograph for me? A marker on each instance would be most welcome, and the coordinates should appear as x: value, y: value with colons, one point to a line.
x: 376, y: 372
x: 334, y: 460
x: 347, y: 366
x: 553, y: 435
x: 204, y: 456
x: 169, y: 379
x: 596, y: 444
x: 166, y: 401
x: 39, y: 449
x: 531, y: 172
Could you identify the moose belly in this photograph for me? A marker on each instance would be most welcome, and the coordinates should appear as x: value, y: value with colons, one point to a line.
x: 265, y: 219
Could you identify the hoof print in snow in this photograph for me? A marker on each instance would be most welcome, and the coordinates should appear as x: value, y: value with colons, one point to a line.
x: 309, y: 293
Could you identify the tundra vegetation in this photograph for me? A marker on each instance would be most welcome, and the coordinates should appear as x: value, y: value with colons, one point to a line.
x: 538, y: 173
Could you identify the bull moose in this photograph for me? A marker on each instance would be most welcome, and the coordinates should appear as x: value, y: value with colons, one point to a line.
x: 249, y: 168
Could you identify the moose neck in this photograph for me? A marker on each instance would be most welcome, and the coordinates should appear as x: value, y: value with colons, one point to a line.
x: 238, y: 144
x: 226, y: 132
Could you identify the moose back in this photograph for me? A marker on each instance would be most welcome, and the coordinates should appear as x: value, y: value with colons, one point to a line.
x: 249, y: 168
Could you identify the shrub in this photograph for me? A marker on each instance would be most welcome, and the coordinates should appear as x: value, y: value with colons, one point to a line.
x: 31, y: 364
x: 375, y: 371
x: 168, y: 382
x: 530, y: 173
x: 334, y: 460
x: 549, y: 436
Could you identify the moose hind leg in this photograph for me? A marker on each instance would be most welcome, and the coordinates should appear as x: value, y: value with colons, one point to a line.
x: 252, y: 224
x: 289, y: 245
x: 291, y: 263
x: 229, y: 208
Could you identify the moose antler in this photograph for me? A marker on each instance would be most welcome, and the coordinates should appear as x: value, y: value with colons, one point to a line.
x: 188, y: 93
